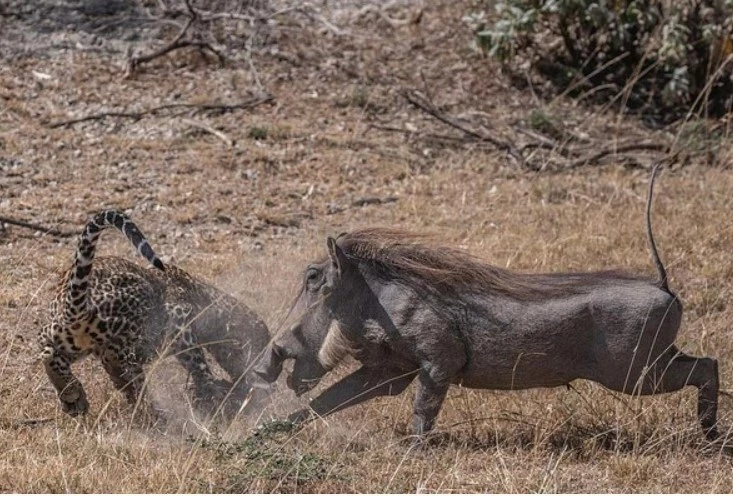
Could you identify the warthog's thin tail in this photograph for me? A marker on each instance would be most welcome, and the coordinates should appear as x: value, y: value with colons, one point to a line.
x: 78, y: 284
x: 663, y: 283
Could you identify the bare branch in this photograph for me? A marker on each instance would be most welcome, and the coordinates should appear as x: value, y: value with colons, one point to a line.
x: 133, y: 63
x: 422, y: 104
x: 35, y: 227
x: 617, y: 150
x: 195, y: 107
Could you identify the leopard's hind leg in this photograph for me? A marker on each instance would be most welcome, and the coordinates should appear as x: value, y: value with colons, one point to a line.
x: 57, y: 359
x: 126, y: 372
x: 208, y: 390
x: 234, y: 336
x: 123, y: 360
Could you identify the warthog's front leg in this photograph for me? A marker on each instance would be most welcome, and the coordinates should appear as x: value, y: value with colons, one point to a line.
x: 362, y: 385
x: 428, y: 400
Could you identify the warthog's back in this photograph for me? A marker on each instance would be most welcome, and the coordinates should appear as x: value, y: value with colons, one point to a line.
x: 583, y: 335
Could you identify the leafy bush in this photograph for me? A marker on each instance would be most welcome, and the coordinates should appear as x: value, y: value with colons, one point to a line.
x: 660, y: 57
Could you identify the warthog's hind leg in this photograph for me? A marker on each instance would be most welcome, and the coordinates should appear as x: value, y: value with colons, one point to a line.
x: 676, y: 370
x: 700, y: 372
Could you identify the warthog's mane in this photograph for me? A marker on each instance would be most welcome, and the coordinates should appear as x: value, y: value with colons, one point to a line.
x: 411, y: 259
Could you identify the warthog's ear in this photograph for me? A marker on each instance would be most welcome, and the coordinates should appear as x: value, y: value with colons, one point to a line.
x: 337, y: 256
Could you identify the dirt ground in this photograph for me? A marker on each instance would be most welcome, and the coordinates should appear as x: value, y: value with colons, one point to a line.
x: 245, y: 198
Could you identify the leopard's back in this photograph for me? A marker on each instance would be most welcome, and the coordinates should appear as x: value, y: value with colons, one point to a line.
x: 124, y: 304
x: 227, y: 327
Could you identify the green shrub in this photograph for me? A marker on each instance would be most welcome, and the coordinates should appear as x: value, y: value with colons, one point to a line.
x: 663, y: 58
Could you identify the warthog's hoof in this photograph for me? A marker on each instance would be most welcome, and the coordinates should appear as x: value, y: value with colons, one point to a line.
x: 712, y: 434
x: 301, y: 416
x: 74, y: 403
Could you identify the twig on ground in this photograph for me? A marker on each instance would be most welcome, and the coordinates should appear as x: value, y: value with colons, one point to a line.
x: 47, y: 230
x: 204, y: 127
x: 251, y: 64
x: 135, y: 62
x: 314, y: 15
x: 208, y: 16
x: 414, y: 17
x: 33, y: 421
x: 373, y: 200
x: 442, y: 139
x: 418, y: 101
x: 543, y: 142
x: 195, y: 107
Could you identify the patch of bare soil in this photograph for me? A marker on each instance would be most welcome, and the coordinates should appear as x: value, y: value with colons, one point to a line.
x: 310, y: 127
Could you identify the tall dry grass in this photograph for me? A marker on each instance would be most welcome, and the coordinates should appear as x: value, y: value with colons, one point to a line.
x: 248, y: 217
x: 580, y: 439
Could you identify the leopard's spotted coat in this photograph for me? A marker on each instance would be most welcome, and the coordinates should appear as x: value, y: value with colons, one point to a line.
x: 126, y: 315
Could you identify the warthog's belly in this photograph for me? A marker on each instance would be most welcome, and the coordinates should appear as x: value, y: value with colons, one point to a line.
x: 528, y: 374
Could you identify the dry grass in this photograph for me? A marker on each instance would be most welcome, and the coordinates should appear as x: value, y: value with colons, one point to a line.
x: 249, y: 217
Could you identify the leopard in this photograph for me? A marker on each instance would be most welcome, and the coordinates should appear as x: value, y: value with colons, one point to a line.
x: 127, y: 315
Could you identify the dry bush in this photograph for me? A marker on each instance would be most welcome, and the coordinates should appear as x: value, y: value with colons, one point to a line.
x: 660, y: 58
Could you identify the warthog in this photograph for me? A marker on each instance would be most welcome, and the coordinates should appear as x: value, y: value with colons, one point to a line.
x: 407, y: 310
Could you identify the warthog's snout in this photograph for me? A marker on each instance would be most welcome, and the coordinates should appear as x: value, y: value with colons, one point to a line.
x: 268, y: 368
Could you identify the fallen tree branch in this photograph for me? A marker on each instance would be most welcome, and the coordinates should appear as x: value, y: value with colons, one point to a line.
x: 196, y: 107
x: 134, y: 62
x: 616, y: 150
x: 35, y: 227
x: 504, y: 146
x: 373, y: 200
x: 574, y: 156
x: 419, y: 134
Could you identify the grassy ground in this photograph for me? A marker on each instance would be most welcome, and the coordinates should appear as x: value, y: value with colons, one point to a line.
x: 248, y: 217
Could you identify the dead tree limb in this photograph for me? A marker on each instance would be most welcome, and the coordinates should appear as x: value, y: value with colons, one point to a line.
x: 617, y: 150
x: 418, y: 101
x: 195, y: 107
x: 133, y: 63
x: 35, y: 227
x: 575, y: 157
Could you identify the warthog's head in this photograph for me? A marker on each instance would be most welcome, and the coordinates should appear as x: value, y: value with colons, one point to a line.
x: 314, y: 340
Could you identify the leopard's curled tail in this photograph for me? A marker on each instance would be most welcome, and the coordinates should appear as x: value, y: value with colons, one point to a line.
x: 78, y: 284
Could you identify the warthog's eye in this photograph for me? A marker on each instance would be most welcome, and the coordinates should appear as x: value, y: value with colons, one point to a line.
x: 312, y: 278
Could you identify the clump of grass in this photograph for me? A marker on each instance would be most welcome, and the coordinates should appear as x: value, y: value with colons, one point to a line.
x: 258, y: 133
x: 544, y: 122
x: 360, y: 98
x: 268, y: 454
x: 697, y: 138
